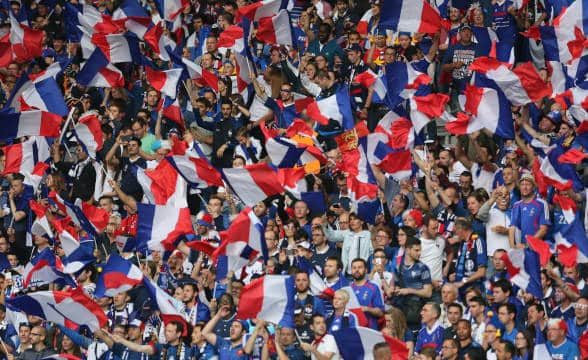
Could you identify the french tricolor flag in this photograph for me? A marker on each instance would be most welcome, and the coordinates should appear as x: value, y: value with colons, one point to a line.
x: 560, y: 175
x: 253, y: 183
x: 165, y: 82
x: 410, y: 15
x: 401, y: 80
x: 169, y: 9
x: 117, y: 48
x: 22, y: 158
x: 262, y: 9
x: 358, y: 343
x: 162, y: 185
x: 26, y: 43
x: 133, y: 16
x: 117, y: 275
x: 89, y: 133
x: 45, y: 268
x: 159, y: 227
x: 523, y: 268
x: 336, y: 107
x: 68, y: 308
x: 98, y: 72
x: 29, y: 123
x: 89, y: 217
x: 90, y: 18
x: 160, y: 44
x: 275, y: 29
x: 78, y: 253
x: 283, y: 152
x: 44, y: 95
x: 196, y: 170
x: 292, y: 179
x: 270, y: 298
x: 371, y: 80
x: 27, y: 81
x: 488, y: 108
x: 41, y: 225
x: 426, y: 107
x: 521, y: 85
x: 160, y: 300
x: 243, y: 241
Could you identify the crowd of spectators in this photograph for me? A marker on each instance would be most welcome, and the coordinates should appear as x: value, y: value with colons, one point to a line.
x: 429, y: 269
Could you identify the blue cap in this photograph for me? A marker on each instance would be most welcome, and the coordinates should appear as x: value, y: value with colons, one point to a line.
x: 465, y: 26
x: 555, y: 117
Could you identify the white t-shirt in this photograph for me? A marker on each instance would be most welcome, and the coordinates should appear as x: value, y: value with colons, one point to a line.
x: 432, y: 255
x: 328, y: 345
x: 482, y: 178
x: 494, y: 240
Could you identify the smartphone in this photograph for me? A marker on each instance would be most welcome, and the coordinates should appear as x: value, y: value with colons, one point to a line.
x: 378, y: 261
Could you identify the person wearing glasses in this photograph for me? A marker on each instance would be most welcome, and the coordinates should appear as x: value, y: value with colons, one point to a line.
x: 38, y: 348
x: 578, y: 325
x: 450, y: 349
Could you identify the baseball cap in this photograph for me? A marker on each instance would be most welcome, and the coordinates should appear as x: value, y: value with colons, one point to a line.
x: 465, y: 26
x: 304, y: 245
x: 555, y: 117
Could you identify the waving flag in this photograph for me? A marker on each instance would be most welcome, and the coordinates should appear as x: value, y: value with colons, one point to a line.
x: 133, y: 16
x: 521, y: 85
x: 26, y: 43
x: 116, y: 48
x: 41, y: 225
x: 45, y: 268
x: 275, y: 29
x: 28, y: 81
x: 68, y: 308
x: 159, y: 227
x: 22, y: 158
x: 426, y: 107
x: 401, y: 80
x: 99, y: 72
x: 243, y: 241
x: 160, y: 44
x: 117, y: 275
x: 162, y: 301
x: 165, y: 82
x: 354, y: 307
x: 523, y: 268
x: 336, y: 107
x: 542, y: 249
x: 262, y: 9
x: 358, y: 343
x: 170, y: 9
x: 410, y: 15
x: 162, y: 185
x: 196, y: 170
x: 78, y: 253
x: 29, y: 123
x: 89, y: 133
x: 283, y: 152
x: 89, y: 18
x: 44, y: 95
x: 488, y: 108
x: 89, y: 217
x: 253, y: 183
x: 270, y: 298
x: 560, y: 175
x: 61, y: 357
